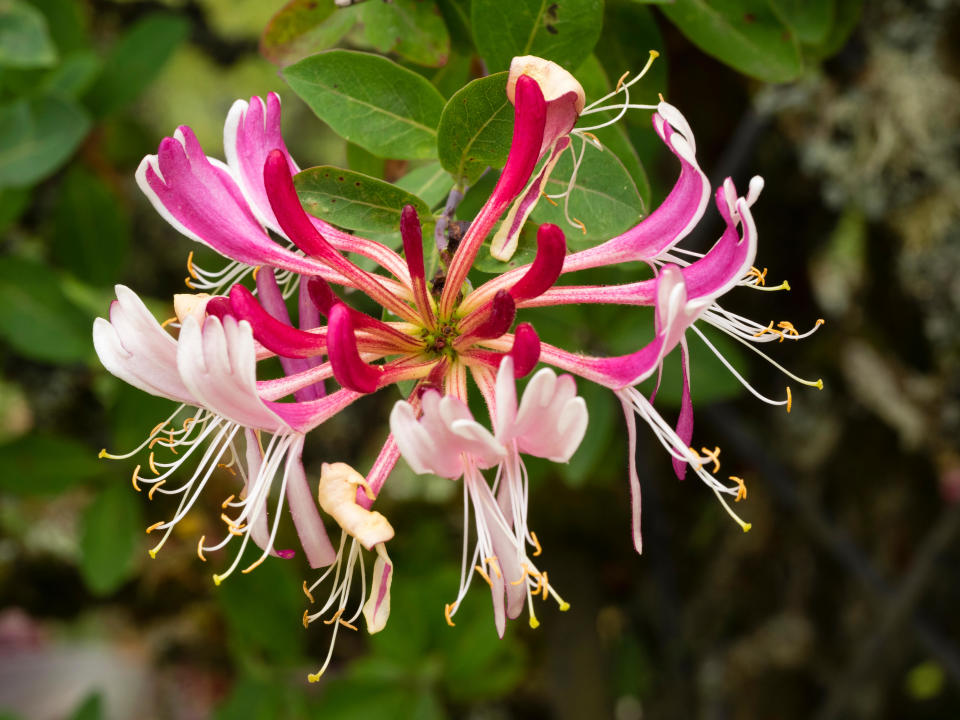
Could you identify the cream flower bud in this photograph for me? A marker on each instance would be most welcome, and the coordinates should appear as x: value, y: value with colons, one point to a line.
x: 554, y: 81
x: 338, y: 498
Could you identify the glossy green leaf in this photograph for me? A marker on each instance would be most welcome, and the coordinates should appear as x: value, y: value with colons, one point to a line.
x: 476, y: 128
x: 354, y: 201
x: 37, y: 137
x: 564, y: 31
x: 41, y: 323
x: 303, y: 27
x: 413, y: 29
x: 91, y: 230
x: 810, y: 20
x: 431, y: 183
x: 745, y: 34
x: 371, y: 101
x: 41, y: 463
x: 135, y: 60
x: 111, y: 528
x: 24, y: 39
x: 603, y: 197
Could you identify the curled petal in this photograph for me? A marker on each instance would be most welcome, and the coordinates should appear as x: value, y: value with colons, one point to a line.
x: 499, y: 319
x: 348, y: 367
x: 376, y: 611
x: 525, y: 352
x: 337, y: 495
x: 546, y: 267
x: 273, y: 334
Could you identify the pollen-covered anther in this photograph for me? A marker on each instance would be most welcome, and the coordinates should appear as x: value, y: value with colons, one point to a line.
x: 226, y: 502
x: 712, y: 456
x: 789, y: 399
x: 697, y: 457
x: 741, y: 488
x: 483, y: 574
x: 579, y: 223
x: 447, y: 610
x: 168, y: 321
x: 306, y: 591
x: 155, y: 526
x: 788, y: 329
x: 253, y: 565
x: 770, y: 329
x: 494, y: 563
x: 228, y: 468
x: 620, y: 81
x: 536, y: 542
x: 306, y: 616
x: 336, y: 616
x: 543, y: 194
x: 134, y: 478
x: 346, y: 624
x: 154, y: 489
x: 200, y: 548
x: 152, y: 465
x: 546, y: 584
x: 761, y: 276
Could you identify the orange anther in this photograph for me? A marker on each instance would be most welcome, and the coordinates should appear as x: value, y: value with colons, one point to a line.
x: 346, y: 624
x: 200, y: 548
x: 620, y: 82
x: 713, y: 456
x: 154, y: 489
x: 306, y: 591
x: 484, y: 575
x: 133, y: 479
x: 336, y: 616
x: 536, y: 542
x: 447, y: 609
x: 154, y: 526
x: 741, y: 488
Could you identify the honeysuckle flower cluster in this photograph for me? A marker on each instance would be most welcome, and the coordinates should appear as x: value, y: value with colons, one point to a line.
x: 450, y: 338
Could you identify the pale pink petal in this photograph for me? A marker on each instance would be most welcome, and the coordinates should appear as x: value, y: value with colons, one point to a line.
x: 303, y: 509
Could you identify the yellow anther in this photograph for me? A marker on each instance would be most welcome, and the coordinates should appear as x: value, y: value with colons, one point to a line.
x: 154, y: 527
x: 494, y: 563
x: 699, y: 464
x: 157, y: 428
x: 564, y: 606
x: 200, y: 548
x: 227, y: 502
x: 788, y: 329
x: 153, y: 467
x: 306, y: 591
x: 447, y: 609
x: 336, y: 616
x: 770, y: 329
x: 228, y: 520
x: 306, y: 618
x: 760, y: 276
x: 622, y: 78
x: 789, y: 399
x: 523, y: 577
x: 346, y: 624
x: 168, y: 321
x: 583, y: 227
x: 595, y: 140
x: 188, y: 422
x: 534, y: 623
x: 133, y: 478
x: 484, y: 575
x: 154, y: 489
x: 186, y: 281
x: 227, y: 468
x: 193, y: 273
x: 741, y: 488
x: 660, y: 95
x: 237, y: 531
x: 254, y: 564
x: 820, y: 321
x: 712, y: 456
x: 546, y: 583
x: 255, y: 271
x: 549, y: 199
x: 536, y: 542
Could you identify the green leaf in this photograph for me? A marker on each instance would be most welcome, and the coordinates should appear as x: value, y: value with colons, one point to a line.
x: 846, y: 17
x: 453, y: 75
x: 365, y: 162
x: 41, y: 464
x: 564, y: 31
x: 371, y: 101
x: 24, y: 39
x: 91, y: 230
x: 135, y: 61
x: 604, y: 197
x: 475, y: 128
x: 413, y: 29
x: 303, y: 27
x: 13, y: 201
x: 37, y: 136
x: 810, y: 20
x: 73, y: 76
x: 431, y: 183
x: 354, y: 201
x: 67, y: 22
x: 745, y: 34
x: 40, y: 322
x: 111, y: 527
x: 90, y: 709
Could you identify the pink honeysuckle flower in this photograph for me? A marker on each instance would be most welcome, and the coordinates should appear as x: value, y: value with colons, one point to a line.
x: 436, y: 331
x: 550, y: 422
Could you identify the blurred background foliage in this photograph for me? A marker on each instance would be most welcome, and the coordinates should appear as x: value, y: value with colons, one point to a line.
x: 840, y: 603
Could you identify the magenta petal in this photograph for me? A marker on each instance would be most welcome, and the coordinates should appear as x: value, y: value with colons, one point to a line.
x: 685, y: 421
x: 546, y: 267
x: 525, y: 351
x: 274, y: 335
x: 348, y: 367
x: 271, y: 298
x: 499, y: 317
